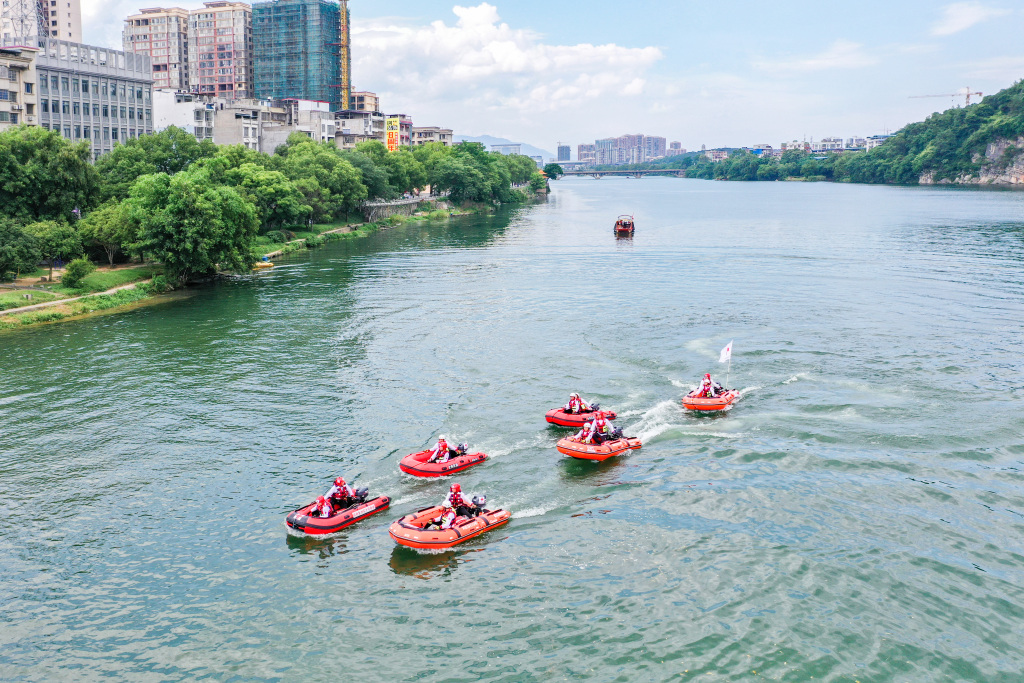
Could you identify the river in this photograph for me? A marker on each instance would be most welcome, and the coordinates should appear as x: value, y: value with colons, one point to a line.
x: 858, y: 515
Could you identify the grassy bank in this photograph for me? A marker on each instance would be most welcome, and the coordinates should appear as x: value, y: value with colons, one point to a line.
x: 15, y: 298
x: 77, y: 308
x: 102, y: 280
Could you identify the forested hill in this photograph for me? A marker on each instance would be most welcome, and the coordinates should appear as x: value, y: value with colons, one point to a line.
x: 979, y: 144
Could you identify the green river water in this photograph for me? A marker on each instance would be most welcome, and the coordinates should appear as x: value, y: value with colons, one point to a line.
x: 858, y: 515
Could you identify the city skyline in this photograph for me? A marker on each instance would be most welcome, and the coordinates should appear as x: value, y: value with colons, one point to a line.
x: 714, y: 76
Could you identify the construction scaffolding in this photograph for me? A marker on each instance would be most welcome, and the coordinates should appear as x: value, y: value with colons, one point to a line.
x: 301, y: 50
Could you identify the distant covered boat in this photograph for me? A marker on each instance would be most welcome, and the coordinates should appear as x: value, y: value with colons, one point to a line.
x: 624, y: 225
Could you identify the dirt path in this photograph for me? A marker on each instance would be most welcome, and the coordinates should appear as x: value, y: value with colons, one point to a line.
x: 344, y: 228
x: 58, y: 302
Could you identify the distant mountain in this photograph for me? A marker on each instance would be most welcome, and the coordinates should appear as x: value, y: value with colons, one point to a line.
x: 488, y: 140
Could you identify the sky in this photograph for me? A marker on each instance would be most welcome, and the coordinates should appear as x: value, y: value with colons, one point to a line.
x: 730, y: 73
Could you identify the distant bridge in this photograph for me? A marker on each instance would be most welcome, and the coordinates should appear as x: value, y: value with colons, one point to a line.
x: 675, y: 173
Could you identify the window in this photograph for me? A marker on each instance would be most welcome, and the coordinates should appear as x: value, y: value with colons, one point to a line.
x: 74, y: 84
x: 85, y: 86
x: 63, y: 83
x: 78, y: 131
x: 106, y: 111
x: 131, y: 112
x: 113, y: 133
x: 85, y: 133
x: 74, y: 110
x: 95, y: 110
x: 103, y: 89
x: 123, y: 115
x: 28, y: 88
x: 106, y: 133
x: 46, y: 106
x: 67, y: 132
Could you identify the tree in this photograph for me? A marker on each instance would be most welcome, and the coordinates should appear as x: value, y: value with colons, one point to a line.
x: 112, y: 227
x: 373, y: 177
x: 553, y: 171
x: 170, y: 151
x: 537, y: 182
x: 76, y: 272
x: 56, y: 241
x: 324, y: 163
x: 43, y: 176
x: 195, y: 227
x: 462, y: 180
x: 405, y: 172
x: 19, y: 250
x: 278, y: 202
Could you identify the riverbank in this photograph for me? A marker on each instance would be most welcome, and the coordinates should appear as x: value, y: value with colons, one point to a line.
x: 99, y: 293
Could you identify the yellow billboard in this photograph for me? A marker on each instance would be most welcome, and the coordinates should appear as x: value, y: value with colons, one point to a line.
x: 393, y: 131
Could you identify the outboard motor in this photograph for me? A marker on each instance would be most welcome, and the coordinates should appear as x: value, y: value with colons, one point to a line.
x: 616, y: 432
x: 479, y: 502
x: 595, y: 406
x: 361, y: 493
x: 463, y: 447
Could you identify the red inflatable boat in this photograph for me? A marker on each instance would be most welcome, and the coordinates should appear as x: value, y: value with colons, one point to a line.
x: 624, y: 225
x: 563, y: 419
x: 416, y: 464
x: 590, y: 451
x: 720, y: 402
x: 301, y: 521
x: 409, y: 531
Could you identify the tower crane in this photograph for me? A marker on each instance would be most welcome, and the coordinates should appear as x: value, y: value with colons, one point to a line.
x: 966, y: 95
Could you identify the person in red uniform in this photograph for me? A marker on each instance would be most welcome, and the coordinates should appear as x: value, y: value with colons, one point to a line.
x: 708, y: 387
x: 441, y: 452
x: 321, y: 508
x: 444, y: 520
x: 341, y: 494
x: 575, y: 405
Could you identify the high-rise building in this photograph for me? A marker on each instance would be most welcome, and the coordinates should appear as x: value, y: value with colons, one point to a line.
x: 220, y: 49
x: 22, y: 20
x: 564, y: 152
x: 303, y: 51
x: 161, y: 34
x: 93, y: 93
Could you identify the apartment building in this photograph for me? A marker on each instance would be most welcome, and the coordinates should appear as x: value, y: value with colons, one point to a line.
x: 586, y: 154
x: 363, y: 100
x: 18, y: 86
x: 421, y: 135
x: 161, y: 34
x: 93, y: 93
x: 24, y: 20
x: 302, y: 51
x: 355, y: 126
x: 220, y: 49
x: 185, y: 110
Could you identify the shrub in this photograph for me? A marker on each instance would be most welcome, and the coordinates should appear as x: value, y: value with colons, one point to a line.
x: 159, y: 285
x: 76, y: 272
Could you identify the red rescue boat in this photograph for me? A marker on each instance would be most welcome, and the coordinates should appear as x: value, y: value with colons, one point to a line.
x: 301, y: 521
x: 409, y: 531
x: 624, y: 225
x: 416, y: 464
x: 591, y: 451
x: 563, y: 419
x: 720, y: 402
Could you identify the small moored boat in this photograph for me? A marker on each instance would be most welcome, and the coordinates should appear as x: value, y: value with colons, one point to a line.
x: 561, y: 418
x: 591, y: 451
x: 624, y: 225
x: 410, y: 532
x: 720, y: 402
x: 301, y: 521
x: 416, y: 464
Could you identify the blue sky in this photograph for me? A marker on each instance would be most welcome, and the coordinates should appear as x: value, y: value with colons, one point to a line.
x: 718, y: 74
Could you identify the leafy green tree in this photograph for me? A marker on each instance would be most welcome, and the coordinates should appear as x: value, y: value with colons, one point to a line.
x: 43, y: 176
x: 538, y: 182
x: 460, y: 179
x: 278, y: 202
x: 76, y: 272
x: 169, y: 151
x: 195, y: 227
x: 405, y: 172
x: 57, y: 240
x: 373, y: 177
x: 19, y: 250
x: 112, y: 227
x: 553, y: 171
x: 324, y: 163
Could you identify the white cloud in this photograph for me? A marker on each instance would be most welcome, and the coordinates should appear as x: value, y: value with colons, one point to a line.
x: 842, y: 54
x: 960, y: 16
x: 480, y: 74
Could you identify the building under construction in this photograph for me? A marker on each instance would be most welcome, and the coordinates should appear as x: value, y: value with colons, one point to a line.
x: 302, y: 51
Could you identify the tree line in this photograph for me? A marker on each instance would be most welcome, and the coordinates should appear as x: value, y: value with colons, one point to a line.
x: 948, y: 145
x: 198, y: 207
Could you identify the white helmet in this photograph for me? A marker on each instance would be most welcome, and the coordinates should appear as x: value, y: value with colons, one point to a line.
x: 441, y: 438
x: 574, y: 395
